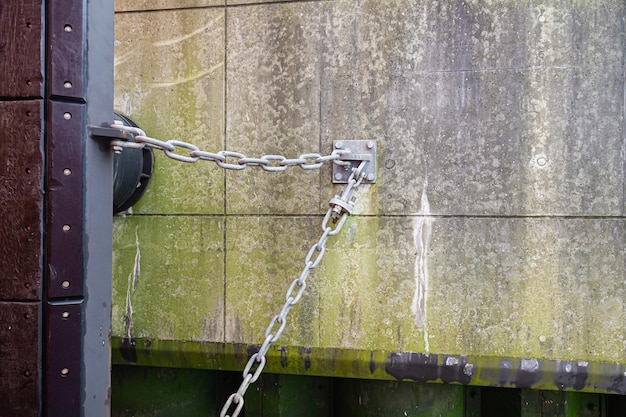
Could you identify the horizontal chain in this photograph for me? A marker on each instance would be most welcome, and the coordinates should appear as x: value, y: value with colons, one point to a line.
x: 338, y: 214
x: 187, y: 152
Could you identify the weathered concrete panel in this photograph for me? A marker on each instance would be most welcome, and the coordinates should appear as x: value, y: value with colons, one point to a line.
x: 273, y: 74
x: 546, y: 94
x: 149, y: 5
x: 548, y: 288
x: 263, y: 257
x: 169, y: 78
x: 552, y: 288
x: 240, y: 2
x: 168, y: 278
x: 495, y: 108
x: 496, y: 226
x: 515, y: 161
x: 367, y: 287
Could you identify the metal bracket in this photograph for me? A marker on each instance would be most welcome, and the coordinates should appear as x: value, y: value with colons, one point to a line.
x: 358, y: 151
x: 132, y: 168
x: 108, y: 133
x: 117, y: 138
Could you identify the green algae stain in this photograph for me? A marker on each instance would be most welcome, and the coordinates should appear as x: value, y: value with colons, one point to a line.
x: 167, y: 278
x: 490, y: 293
x: 365, y: 294
x: 264, y: 256
x: 173, y: 87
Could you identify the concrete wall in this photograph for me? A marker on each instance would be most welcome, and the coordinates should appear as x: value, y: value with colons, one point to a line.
x: 496, y: 227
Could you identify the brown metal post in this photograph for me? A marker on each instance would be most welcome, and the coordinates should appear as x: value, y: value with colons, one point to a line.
x: 21, y: 198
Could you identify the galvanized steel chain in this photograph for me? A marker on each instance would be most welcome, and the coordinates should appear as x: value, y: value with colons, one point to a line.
x: 340, y: 208
x: 271, y: 163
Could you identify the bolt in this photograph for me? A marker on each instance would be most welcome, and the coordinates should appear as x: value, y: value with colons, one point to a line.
x: 370, y: 177
x: 338, y: 176
x: 339, y: 145
x: 370, y: 144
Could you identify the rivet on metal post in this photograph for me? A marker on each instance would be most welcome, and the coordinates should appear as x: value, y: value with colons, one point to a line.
x: 357, y: 151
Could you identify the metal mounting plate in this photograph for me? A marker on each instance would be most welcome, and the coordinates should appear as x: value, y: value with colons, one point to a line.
x: 360, y: 150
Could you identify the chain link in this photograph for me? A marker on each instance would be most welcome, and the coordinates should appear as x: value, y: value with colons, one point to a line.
x: 187, y: 152
x: 341, y: 207
x: 338, y: 214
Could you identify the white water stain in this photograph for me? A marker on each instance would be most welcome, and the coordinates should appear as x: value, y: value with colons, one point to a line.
x: 128, y: 314
x: 137, y: 267
x: 133, y: 279
x: 422, y: 227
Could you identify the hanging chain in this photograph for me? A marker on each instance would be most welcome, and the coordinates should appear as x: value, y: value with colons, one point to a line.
x: 340, y: 208
x: 238, y: 161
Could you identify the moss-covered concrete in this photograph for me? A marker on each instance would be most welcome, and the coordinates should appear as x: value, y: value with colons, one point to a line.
x: 168, y: 280
x: 273, y: 58
x: 149, y: 5
x: 169, y: 78
x: 496, y: 227
x: 468, y: 97
x: 547, y: 286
